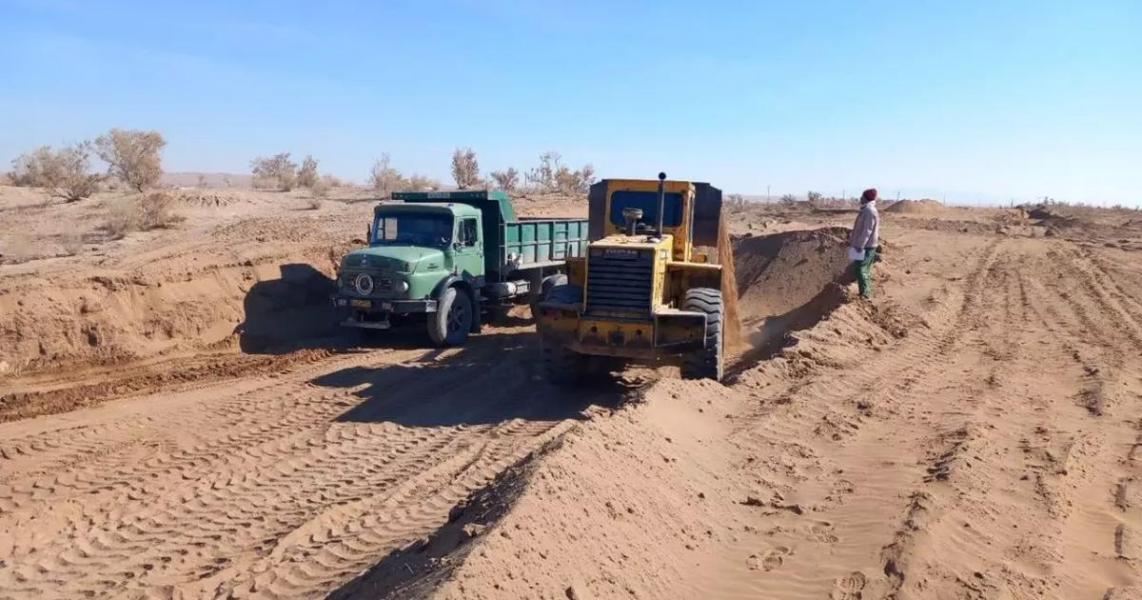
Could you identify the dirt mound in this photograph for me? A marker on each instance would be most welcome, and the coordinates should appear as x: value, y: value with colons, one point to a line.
x: 915, y: 207
x: 262, y: 282
x: 208, y: 198
x: 789, y: 280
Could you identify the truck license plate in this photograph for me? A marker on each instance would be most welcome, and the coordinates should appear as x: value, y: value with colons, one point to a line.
x: 361, y: 303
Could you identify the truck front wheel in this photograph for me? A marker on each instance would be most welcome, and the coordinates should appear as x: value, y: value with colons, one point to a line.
x: 450, y: 324
x: 707, y: 362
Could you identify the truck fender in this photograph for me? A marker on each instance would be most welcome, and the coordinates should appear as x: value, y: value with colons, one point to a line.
x: 465, y: 287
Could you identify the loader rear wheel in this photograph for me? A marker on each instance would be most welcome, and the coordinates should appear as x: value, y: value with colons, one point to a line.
x: 706, y: 363
x: 562, y: 366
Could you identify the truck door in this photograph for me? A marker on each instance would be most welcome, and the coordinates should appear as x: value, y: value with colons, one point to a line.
x: 469, y: 249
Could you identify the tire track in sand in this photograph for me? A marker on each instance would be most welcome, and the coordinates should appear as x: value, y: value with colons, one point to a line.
x: 278, y: 483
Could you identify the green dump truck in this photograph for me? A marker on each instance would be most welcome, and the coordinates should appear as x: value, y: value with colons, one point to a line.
x: 450, y: 259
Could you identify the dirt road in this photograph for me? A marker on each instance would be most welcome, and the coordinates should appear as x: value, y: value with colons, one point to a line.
x: 271, y: 485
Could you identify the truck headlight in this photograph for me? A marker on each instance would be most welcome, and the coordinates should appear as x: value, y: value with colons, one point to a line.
x: 400, y: 286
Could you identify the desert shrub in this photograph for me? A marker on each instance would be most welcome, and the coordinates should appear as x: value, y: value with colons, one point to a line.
x: 134, y: 157
x: 307, y: 176
x: 314, y: 203
x: 122, y: 218
x: 788, y: 199
x: 329, y: 181
x: 578, y: 181
x: 156, y: 210
x: 63, y: 173
x: 277, y: 171
x: 465, y: 168
x: 201, y: 181
x: 507, y: 180
x: 736, y: 203
x: 814, y: 197
x: 421, y: 183
x: 553, y: 176
x: 72, y: 243
x: 542, y: 177
x: 383, y: 178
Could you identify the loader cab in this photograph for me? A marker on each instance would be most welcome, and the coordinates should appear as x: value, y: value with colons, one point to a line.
x: 690, y: 212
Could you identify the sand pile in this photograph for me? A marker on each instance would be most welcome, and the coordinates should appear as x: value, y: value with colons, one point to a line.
x: 915, y: 207
x: 789, y: 280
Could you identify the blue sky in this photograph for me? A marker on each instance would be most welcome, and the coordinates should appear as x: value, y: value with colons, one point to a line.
x: 973, y: 101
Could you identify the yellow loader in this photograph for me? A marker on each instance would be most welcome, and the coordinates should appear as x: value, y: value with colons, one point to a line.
x: 648, y: 288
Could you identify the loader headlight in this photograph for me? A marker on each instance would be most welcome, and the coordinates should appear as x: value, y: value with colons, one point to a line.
x: 364, y: 284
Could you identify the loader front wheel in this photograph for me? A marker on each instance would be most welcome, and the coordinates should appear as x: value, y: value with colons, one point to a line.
x: 706, y: 363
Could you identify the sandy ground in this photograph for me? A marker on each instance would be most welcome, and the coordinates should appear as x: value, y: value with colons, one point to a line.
x: 181, y: 421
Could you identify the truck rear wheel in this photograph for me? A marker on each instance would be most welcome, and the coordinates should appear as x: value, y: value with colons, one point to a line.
x: 707, y: 362
x: 452, y: 321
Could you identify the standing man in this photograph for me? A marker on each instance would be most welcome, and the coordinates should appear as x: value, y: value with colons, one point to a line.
x: 864, y: 242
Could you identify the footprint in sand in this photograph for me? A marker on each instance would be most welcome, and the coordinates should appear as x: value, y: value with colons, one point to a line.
x: 822, y: 531
x: 769, y: 560
x: 849, y: 587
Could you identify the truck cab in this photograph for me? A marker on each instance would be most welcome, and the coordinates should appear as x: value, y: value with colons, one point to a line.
x: 445, y: 257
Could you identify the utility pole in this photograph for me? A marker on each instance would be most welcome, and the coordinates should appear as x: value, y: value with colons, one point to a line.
x: 767, y: 192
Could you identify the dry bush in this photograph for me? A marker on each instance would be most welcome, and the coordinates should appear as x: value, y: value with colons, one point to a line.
x: 553, y: 176
x: 814, y: 197
x: 330, y: 181
x: 307, y: 176
x: 134, y: 156
x: 156, y: 211
x: 736, y: 203
x: 72, y: 243
x: 788, y: 199
x: 383, y: 178
x: 202, y: 181
x: 314, y: 203
x: 507, y: 180
x: 123, y: 218
x: 277, y: 171
x: 465, y: 168
x: 63, y: 173
x: 578, y: 181
x: 421, y: 183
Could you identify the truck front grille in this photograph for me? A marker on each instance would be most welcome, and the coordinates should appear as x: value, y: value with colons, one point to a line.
x: 620, y: 280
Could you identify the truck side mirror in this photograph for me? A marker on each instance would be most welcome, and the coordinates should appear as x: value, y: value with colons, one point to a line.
x: 368, y: 235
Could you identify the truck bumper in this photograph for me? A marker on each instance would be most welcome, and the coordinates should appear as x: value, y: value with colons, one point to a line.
x: 371, y: 306
x: 365, y: 313
x: 665, y: 334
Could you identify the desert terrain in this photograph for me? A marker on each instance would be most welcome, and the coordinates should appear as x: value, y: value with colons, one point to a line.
x: 180, y: 418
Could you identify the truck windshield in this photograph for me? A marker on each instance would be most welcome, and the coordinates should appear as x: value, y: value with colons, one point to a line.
x: 648, y: 202
x: 412, y: 229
